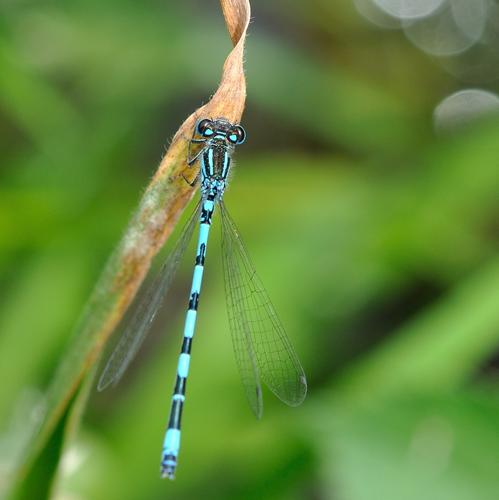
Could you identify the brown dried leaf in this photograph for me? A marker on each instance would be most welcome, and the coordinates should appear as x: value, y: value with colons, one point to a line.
x: 159, y: 210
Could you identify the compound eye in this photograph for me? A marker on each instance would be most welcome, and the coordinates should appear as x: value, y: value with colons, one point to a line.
x: 236, y: 135
x: 205, y: 128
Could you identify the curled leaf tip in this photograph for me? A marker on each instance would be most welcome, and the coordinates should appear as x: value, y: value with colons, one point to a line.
x: 237, y: 15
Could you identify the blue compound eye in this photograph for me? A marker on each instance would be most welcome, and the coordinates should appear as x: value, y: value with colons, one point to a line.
x: 205, y: 128
x: 236, y: 135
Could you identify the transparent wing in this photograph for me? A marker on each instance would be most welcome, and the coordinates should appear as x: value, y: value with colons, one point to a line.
x: 262, y: 348
x: 239, y: 322
x: 140, y: 323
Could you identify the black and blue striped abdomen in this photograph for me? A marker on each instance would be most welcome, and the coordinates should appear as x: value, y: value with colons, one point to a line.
x: 171, y: 444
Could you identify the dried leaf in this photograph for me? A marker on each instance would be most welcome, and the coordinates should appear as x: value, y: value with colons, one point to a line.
x: 159, y: 210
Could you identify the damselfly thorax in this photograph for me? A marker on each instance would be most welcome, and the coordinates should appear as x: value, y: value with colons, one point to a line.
x: 215, y: 141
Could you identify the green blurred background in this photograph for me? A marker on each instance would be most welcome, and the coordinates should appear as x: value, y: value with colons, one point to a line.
x: 376, y: 237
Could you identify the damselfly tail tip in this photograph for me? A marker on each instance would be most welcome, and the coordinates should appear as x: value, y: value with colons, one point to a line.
x: 168, y: 474
x: 168, y: 468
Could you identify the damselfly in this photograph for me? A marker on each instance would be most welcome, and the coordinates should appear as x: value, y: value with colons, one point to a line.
x: 262, y: 349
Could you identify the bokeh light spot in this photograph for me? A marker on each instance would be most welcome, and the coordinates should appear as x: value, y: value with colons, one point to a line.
x: 442, y: 35
x: 465, y: 107
x: 376, y: 15
x: 470, y: 17
x: 409, y: 9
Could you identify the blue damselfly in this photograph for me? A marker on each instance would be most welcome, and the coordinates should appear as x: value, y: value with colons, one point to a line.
x: 262, y: 349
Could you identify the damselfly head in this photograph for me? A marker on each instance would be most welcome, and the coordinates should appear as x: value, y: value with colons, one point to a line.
x: 221, y: 130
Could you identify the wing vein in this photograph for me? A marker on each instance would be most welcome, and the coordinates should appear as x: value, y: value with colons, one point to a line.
x: 255, y: 325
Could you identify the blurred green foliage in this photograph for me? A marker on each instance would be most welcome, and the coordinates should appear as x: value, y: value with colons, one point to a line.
x: 377, y: 241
